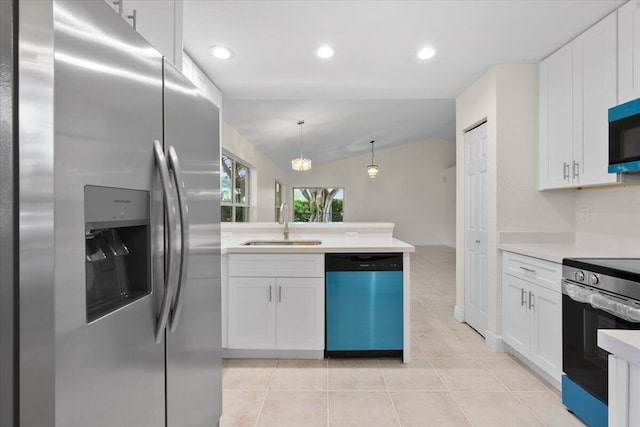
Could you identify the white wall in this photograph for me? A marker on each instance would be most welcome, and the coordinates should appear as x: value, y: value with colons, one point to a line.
x: 521, y: 207
x: 450, y: 203
x: 410, y: 189
x: 507, y: 97
x: 263, y: 174
x: 614, y: 218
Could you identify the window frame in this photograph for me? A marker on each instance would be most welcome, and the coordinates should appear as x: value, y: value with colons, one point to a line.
x: 233, y: 204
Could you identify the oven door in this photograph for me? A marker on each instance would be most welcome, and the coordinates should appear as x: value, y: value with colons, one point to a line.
x: 584, y: 311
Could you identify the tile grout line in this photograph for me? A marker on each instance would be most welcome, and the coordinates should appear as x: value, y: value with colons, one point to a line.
x: 386, y: 385
x: 446, y: 386
x: 266, y: 393
x: 529, y: 409
x: 513, y: 393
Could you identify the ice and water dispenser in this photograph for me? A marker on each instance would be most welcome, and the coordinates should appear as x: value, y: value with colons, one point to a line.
x: 118, y: 248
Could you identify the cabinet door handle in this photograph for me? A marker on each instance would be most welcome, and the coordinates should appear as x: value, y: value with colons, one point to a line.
x: 523, y: 298
x: 119, y: 4
x: 528, y: 270
x: 133, y: 17
x: 270, y: 287
x: 532, y: 304
x: 576, y: 170
x: 565, y: 170
x: 279, y: 293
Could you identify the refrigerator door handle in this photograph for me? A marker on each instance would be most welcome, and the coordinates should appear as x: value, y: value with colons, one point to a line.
x: 163, y: 170
x: 174, y: 166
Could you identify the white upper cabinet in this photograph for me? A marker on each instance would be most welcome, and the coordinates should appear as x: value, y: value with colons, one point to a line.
x: 577, y: 87
x: 594, y: 92
x: 158, y: 21
x: 556, y: 118
x: 629, y: 52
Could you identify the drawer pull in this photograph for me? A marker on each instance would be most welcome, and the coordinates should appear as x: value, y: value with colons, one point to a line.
x: 528, y: 270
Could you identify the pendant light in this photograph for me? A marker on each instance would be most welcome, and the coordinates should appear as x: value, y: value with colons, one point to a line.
x: 301, y: 164
x: 372, y: 169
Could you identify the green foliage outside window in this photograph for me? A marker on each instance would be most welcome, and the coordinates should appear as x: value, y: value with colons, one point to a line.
x: 318, y: 204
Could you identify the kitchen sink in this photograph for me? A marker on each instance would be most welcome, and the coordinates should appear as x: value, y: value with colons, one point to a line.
x: 282, y: 243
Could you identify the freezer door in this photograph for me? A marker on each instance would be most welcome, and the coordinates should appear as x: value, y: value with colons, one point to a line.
x: 194, y: 368
x: 109, y: 371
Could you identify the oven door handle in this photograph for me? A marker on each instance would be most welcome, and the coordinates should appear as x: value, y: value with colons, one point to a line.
x: 599, y: 301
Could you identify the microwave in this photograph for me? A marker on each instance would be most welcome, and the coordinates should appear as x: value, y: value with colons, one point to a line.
x: 624, y: 138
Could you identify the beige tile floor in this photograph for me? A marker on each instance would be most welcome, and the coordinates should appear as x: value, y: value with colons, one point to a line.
x: 453, y: 379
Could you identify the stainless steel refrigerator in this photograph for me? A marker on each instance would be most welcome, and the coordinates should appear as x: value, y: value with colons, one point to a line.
x: 110, y: 239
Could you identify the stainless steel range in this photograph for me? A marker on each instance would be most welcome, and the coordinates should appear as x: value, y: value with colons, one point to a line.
x: 596, y: 294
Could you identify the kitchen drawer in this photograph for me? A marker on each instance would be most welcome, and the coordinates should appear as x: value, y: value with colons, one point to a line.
x: 544, y: 273
x: 276, y: 265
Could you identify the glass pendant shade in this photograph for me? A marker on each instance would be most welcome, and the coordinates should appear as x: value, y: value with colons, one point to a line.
x: 301, y: 164
x: 372, y: 169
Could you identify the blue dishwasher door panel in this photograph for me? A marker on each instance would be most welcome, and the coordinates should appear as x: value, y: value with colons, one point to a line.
x: 364, y: 310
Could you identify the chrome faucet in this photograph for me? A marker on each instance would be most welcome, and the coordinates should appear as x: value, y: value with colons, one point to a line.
x: 284, y: 214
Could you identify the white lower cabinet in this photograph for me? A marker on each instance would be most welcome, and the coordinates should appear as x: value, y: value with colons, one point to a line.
x: 251, y: 312
x: 546, y: 330
x: 624, y: 393
x: 532, y: 312
x: 516, y: 314
x: 276, y: 313
x: 300, y: 314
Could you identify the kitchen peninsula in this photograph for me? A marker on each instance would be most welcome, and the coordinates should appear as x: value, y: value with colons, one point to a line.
x: 273, y: 289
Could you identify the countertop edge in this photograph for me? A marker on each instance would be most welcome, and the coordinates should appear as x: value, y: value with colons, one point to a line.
x: 314, y: 249
x: 624, y: 344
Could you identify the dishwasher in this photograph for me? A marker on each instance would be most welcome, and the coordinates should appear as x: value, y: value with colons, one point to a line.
x: 364, y: 305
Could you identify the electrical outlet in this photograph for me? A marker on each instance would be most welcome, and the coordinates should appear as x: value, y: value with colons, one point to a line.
x: 352, y: 234
x: 584, y: 216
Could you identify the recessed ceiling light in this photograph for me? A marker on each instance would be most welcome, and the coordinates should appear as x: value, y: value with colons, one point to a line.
x: 221, y: 52
x: 325, y: 52
x: 426, y: 52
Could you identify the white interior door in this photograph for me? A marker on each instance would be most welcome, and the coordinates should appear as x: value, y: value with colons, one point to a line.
x: 475, y: 279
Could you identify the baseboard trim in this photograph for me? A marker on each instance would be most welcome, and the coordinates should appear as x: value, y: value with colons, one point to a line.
x: 234, y: 353
x: 495, y: 342
x: 458, y: 314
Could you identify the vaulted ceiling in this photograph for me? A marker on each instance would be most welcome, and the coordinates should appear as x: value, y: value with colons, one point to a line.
x: 374, y: 87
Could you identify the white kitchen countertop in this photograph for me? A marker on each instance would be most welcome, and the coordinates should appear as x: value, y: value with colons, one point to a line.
x: 554, y: 252
x: 329, y: 244
x: 622, y: 343
x: 335, y: 237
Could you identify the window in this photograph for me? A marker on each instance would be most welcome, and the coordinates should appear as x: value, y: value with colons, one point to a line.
x: 234, y: 190
x: 314, y: 204
x: 278, y: 199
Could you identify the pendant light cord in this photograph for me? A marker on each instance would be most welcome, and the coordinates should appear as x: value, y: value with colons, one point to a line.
x: 372, y: 152
x: 301, y: 122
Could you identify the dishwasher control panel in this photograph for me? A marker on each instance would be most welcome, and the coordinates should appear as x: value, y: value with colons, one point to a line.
x: 364, y: 262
